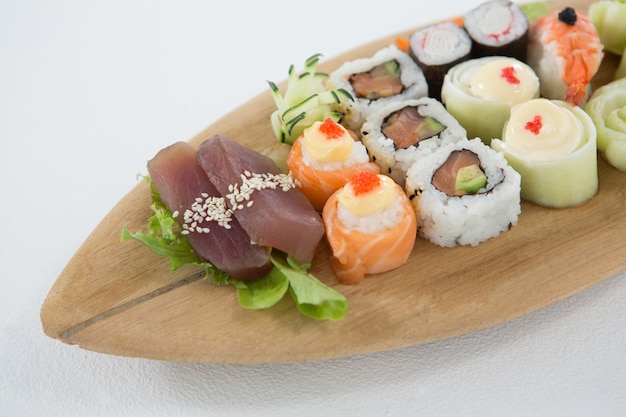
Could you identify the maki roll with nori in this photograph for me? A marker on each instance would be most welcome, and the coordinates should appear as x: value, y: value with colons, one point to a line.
x: 396, y: 135
x: 463, y: 193
x: 375, y: 82
x: 480, y: 92
x: 497, y: 27
x: 436, y: 49
x: 552, y: 144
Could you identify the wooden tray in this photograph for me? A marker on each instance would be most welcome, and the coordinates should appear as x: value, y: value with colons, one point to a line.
x: 120, y: 298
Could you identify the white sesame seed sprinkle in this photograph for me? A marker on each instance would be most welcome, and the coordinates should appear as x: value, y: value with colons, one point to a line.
x: 207, y: 208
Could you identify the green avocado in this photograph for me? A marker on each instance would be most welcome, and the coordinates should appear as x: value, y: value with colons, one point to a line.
x: 470, y: 179
x: 428, y: 128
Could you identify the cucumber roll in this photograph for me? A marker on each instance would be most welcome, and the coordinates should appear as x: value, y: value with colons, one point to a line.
x: 375, y: 82
x: 480, y: 92
x: 607, y: 109
x: 396, y: 135
x: 436, y: 49
x: 497, y: 27
x: 552, y: 144
x: 463, y: 193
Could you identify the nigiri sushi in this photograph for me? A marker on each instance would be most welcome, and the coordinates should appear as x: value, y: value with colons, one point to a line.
x: 324, y: 158
x: 565, y: 51
x: 370, y: 227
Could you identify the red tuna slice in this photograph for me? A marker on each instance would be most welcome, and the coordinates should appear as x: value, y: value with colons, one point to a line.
x: 284, y: 220
x: 180, y: 181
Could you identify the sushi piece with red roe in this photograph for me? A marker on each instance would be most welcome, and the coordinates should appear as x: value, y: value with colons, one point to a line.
x: 371, y: 227
x: 324, y: 158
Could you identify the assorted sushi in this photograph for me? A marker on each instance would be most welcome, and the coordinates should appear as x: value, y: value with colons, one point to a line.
x: 440, y: 139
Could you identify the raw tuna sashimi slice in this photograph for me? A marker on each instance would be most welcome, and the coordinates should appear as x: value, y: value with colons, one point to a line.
x: 181, y: 182
x: 282, y: 219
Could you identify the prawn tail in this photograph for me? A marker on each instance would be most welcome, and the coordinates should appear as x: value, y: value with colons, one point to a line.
x: 577, y: 92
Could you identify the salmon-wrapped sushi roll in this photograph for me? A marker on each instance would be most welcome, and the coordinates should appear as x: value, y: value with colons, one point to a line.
x: 324, y: 158
x: 370, y: 226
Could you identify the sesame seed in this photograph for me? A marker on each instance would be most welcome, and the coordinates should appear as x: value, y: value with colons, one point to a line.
x: 207, y: 208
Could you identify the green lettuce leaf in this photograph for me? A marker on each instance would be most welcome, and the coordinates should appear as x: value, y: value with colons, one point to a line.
x: 313, y: 298
x: 262, y: 293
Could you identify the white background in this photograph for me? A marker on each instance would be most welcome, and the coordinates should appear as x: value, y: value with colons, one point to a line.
x: 90, y: 90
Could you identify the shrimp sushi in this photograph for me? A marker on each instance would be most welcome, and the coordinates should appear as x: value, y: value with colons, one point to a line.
x: 552, y: 144
x: 370, y: 227
x: 389, y: 75
x: 497, y: 27
x: 324, y: 158
x: 463, y: 193
x: 565, y: 51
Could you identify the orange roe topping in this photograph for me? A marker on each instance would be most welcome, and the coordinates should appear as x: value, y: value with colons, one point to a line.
x: 535, y: 125
x: 508, y: 73
x: 364, y: 182
x: 331, y: 129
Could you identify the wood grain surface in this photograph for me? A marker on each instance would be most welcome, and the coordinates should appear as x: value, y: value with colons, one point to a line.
x: 120, y: 298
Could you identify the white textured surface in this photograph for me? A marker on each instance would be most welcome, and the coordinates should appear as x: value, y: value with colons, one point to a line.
x: 90, y: 90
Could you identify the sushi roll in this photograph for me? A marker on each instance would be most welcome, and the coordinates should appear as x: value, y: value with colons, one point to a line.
x: 395, y: 136
x: 370, y: 227
x: 497, y: 27
x: 463, y: 193
x: 565, y: 51
x: 607, y: 109
x: 375, y: 82
x: 552, y: 144
x: 324, y: 158
x: 480, y: 92
x: 436, y: 49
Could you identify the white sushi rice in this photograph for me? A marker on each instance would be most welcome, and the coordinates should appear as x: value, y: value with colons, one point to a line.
x: 358, y: 155
x: 376, y: 222
x: 395, y: 162
x: 354, y: 112
x: 470, y: 219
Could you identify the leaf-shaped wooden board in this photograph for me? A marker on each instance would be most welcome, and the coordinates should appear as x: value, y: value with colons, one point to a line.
x: 120, y: 298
